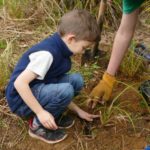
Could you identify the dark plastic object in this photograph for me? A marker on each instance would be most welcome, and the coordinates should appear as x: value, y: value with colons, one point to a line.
x: 142, y: 51
x: 87, y: 131
x: 145, y: 90
x: 87, y: 128
x: 88, y: 56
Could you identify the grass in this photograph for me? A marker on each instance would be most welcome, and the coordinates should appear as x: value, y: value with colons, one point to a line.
x: 132, y: 64
x: 131, y: 87
x: 2, y: 123
x: 5, y: 62
x: 1, y: 3
x: 115, y: 113
x: 3, y: 44
x: 87, y: 71
x: 17, y: 8
x: 148, y: 139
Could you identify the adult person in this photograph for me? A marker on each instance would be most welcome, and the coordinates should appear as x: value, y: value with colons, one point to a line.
x: 103, y: 89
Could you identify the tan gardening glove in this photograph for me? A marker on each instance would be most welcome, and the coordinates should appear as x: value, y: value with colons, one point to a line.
x: 102, y: 91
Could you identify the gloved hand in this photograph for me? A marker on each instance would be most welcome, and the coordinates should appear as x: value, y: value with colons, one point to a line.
x: 102, y: 91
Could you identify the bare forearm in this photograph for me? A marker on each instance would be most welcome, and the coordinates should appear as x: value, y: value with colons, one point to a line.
x: 122, y: 41
x: 72, y: 106
x: 120, y: 47
x: 26, y: 94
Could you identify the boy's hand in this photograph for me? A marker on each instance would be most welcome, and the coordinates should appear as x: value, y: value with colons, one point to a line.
x: 47, y: 120
x: 103, y: 90
x: 88, y: 117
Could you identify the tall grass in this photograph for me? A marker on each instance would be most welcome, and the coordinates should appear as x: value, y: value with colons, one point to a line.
x: 16, y: 8
x: 116, y: 112
x: 132, y: 65
x: 5, y: 63
x: 51, y: 10
x: 48, y: 12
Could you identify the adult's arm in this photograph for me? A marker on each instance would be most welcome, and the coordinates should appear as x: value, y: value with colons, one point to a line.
x: 122, y: 40
x: 121, y: 43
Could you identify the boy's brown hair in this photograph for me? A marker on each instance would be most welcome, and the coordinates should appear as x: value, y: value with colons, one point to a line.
x: 81, y: 23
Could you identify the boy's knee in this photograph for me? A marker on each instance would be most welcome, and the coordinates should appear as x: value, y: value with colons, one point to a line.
x: 68, y: 91
x: 78, y: 80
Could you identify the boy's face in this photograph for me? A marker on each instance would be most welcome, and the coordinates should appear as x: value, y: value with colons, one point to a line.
x: 76, y: 46
x: 79, y: 46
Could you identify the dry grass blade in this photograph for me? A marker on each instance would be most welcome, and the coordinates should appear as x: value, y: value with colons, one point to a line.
x: 5, y: 135
x: 4, y: 109
x: 19, y: 137
x: 5, y: 63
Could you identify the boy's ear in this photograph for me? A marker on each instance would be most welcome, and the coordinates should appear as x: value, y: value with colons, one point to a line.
x: 70, y: 38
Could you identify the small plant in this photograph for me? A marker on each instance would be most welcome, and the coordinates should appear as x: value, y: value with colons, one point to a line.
x: 116, y: 112
x: 87, y: 71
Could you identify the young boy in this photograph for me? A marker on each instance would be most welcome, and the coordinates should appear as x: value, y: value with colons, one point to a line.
x: 40, y: 87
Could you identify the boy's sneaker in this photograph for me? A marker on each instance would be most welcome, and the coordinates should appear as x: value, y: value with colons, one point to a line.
x: 46, y: 135
x: 65, y: 122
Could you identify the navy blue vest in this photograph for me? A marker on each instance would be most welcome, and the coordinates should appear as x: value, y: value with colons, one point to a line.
x: 61, y: 64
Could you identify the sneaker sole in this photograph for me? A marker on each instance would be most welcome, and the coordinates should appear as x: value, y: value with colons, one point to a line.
x: 68, y: 126
x: 42, y: 139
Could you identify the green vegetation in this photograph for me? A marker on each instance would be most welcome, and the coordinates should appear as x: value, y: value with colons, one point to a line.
x: 87, y: 71
x: 3, y: 44
x: 1, y: 3
x: 17, y: 8
x: 5, y: 62
x: 132, y: 65
x: 116, y: 111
